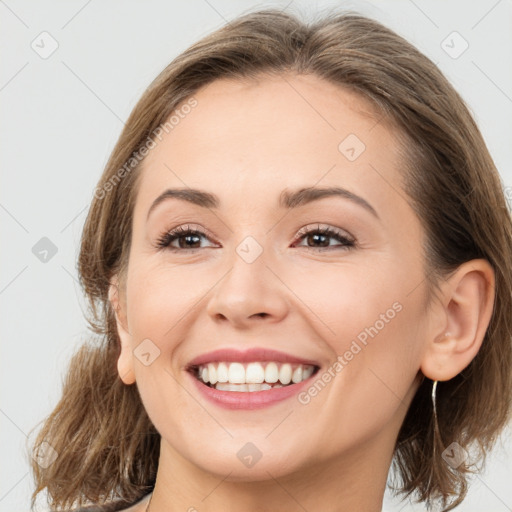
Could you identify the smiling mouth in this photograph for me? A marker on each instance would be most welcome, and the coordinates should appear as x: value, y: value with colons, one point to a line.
x: 254, y: 376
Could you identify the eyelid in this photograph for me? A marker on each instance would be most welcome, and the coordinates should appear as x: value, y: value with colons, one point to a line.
x: 325, y: 227
x: 193, y: 227
x: 179, y: 230
x: 344, y: 237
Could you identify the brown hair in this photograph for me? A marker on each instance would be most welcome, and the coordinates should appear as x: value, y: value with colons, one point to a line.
x: 107, y: 446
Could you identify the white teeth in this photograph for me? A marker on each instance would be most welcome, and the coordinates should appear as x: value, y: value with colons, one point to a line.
x: 297, y: 375
x: 243, y: 387
x: 259, y: 387
x: 307, y: 372
x: 252, y: 376
x: 285, y: 374
x: 236, y: 373
x: 232, y: 387
x: 212, y: 373
x: 272, y: 373
x: 222, y: 372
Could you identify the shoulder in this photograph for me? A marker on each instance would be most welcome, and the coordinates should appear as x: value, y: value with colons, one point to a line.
x: 117, y: 506
x: 110, y: 507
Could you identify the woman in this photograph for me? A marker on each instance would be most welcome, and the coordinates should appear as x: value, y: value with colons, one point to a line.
x: 298, y: 260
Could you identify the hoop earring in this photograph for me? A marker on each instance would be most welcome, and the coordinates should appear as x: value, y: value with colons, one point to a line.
x: 437, y: 436
x: 434, y: 389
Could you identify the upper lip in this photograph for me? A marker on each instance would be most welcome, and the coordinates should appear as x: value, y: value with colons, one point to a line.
x: 252, y: 354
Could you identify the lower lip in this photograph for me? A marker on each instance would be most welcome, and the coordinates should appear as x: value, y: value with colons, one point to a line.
x: 249, y: 399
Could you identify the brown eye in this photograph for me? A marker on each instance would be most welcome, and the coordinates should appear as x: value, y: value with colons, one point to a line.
x: 320, y: 238
x: 187, y: 239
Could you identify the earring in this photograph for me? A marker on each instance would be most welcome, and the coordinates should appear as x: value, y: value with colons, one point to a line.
x: 437, y: 436
x: 434, y: 389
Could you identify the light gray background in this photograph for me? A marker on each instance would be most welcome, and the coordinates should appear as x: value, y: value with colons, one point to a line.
x: 61, y: 118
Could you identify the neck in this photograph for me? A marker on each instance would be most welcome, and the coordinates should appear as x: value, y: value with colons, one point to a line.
x: 354, y: 481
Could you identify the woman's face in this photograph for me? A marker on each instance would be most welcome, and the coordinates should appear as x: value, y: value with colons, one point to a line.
x: 351, y: 301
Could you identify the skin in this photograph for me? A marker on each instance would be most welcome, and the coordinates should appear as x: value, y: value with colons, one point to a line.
x: 246, y: 142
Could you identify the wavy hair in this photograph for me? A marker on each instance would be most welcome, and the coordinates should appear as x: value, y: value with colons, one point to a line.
x: 107, y: 446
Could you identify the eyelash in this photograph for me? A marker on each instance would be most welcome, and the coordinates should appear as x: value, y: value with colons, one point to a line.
x: 175, y: 234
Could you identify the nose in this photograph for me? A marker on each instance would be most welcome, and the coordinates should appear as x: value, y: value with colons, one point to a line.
x: 248, y: 293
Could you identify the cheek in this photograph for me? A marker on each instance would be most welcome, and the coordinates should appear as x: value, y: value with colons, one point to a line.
x: 161, y: 300
x: 158, y: 297
x: 370, y: 320
x: 373, y: 327
x: 350, y: 301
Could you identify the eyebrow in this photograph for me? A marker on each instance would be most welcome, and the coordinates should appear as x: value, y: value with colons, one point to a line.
x: 287, y: 199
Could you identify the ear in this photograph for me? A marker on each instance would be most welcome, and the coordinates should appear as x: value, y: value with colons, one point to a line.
x: 125, y: 361
x: 466, y: 305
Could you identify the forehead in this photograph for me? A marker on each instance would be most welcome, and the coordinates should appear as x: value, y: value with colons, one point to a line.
x: 274, y: 132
